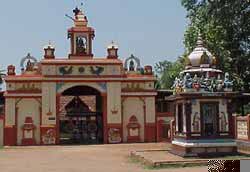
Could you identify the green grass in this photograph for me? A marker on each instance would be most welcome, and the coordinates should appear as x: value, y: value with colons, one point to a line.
x: 133, y: 160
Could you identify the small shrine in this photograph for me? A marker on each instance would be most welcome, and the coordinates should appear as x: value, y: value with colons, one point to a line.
x: 204, y: 101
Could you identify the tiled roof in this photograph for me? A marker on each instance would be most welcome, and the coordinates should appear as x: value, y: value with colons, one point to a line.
x: 88, y: 100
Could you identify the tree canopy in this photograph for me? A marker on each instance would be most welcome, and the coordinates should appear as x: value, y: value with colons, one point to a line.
x: 166, y: 72
x: 1, y: 77
x: 225, y: 27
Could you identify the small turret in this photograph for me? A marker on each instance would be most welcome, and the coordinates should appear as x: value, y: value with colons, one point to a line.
x: 49, y: 51
x: 112, y: 51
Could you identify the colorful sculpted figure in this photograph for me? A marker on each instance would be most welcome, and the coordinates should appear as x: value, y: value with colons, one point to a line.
x: 213, y: 85
x: 188, y: 82
x: 227, y: 83
x: 202, y: 82
x: 207, y: 83
x: 219, y: 83
x: 196, y: 84
x: 29, y: 66
x: 175, y: 83
x: 177, y: 86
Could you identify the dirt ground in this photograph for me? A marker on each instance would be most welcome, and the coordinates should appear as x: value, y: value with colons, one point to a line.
x: 89, y: 158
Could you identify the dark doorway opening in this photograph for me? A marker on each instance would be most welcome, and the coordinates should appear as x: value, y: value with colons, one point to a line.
x: 81, y: 119
x: 209, y: 113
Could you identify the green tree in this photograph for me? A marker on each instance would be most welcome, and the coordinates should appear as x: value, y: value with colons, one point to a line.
x: 166, y: 72
x: 1, y: 76
x: 224, y: 25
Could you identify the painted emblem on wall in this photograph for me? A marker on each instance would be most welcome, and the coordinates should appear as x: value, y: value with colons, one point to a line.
x: 71, y: 70
x: 96, y: 70
x: 49, y: 138
x: 114, y: 135
x: 66, y: 70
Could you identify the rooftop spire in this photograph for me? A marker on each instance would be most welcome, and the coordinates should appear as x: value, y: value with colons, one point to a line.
x: 80, y: 18
x: 199, y: 42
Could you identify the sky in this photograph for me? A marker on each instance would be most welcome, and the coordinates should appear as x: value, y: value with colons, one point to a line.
x: 151, y: 30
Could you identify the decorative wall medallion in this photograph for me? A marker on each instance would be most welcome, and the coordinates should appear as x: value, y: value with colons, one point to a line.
x: 114, y: 135
x: 81, y: 70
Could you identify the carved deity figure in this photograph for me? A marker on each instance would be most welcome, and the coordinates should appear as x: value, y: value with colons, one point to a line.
x: 196, y: 83
x: 195, y: 79
x: 80, y: 45
x: 188, y: 82
x: 202, y: 82
x: 219, y: 83
x: 208, y: 83
x: 29, y: 66
x: 177, y: 85
x: 213, y: 85
x: 227, y: 83
x: 131, y: 66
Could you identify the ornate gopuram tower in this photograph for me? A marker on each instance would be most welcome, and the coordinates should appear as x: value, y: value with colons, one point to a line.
x: 79, y: 99
x: 204, y: 101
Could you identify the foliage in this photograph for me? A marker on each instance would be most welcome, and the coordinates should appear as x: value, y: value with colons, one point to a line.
x: 167, y: 72
x: 1, y: 76
x: 224, y: 25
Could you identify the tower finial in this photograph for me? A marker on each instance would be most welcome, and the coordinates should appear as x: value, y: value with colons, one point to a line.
x: 76, y: 11
x: 199, y: 42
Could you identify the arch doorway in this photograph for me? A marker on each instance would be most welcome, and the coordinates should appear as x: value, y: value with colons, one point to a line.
x: 81, y: 116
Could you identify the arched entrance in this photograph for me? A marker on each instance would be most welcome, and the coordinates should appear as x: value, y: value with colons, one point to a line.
x: 81, y: 116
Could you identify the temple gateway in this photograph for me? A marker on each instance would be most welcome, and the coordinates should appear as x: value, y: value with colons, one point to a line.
x: 79, y: 99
